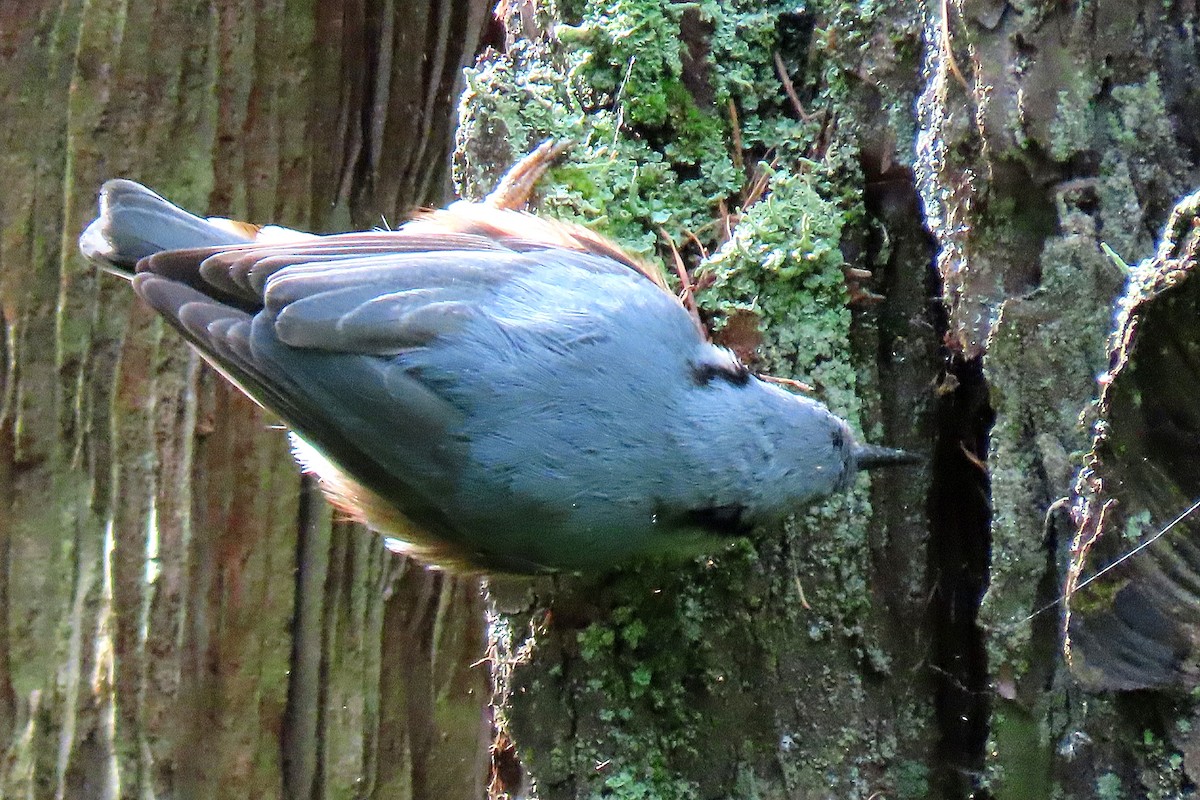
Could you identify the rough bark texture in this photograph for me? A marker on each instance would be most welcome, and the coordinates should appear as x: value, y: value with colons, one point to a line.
x: 793, y: 665
x: 181, y: 620
x: 980, y: 152
x: 1133, y: 625
x: 1074, y: 126
x: 179, y: 616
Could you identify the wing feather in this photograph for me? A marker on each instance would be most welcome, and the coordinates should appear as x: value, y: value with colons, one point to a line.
x: 302, y: 386
x: 521, y: 231
x: 340, y: 336
x: 398, y: 321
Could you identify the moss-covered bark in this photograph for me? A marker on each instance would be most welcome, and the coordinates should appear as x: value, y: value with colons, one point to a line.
x: 177, y: 616
x: 772, y: 145
x: 786, y: 666
x: 1068, y: 126
x: 1032, y: 134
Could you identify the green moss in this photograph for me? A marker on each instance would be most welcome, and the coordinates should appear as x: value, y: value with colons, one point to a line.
x: 636, y: 53
x: 647, y: 154
x: 1074, y: 118
x: 912, y: 780
x: 784, y: 266
x: 1096, y: 597
x: 674, y: 656
x: 1140, y: 121
x: 1042, y: 359
x: 1121, y: 212
x: 654, y: 783
x: 1128, y: 127
x: 1162, y: 775
x: 1021, y: 755
x: 1067, y: 342
x: 616, y: 184
x: 1108, y: 787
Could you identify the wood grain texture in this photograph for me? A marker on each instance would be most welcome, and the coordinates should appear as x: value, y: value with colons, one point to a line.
x: 179, y: 615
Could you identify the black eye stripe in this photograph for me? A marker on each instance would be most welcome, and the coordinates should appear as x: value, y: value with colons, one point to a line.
x: 731, y: 372
x: 726, y: 520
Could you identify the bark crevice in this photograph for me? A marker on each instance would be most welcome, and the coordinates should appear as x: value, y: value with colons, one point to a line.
x: 959, y: 558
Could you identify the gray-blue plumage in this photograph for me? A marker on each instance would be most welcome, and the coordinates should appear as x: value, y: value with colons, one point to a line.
x: 492, y: 396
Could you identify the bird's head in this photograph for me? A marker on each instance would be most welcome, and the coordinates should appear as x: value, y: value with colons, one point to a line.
x: 775, y: 449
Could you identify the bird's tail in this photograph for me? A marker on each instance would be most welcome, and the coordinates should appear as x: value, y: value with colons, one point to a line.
x: 868, y: 456
x: 135, y: 222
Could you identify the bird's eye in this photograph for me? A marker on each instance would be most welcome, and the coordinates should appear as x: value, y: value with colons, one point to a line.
x: 731, y: 371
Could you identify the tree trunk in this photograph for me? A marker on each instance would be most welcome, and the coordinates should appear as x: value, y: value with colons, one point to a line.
x: 753, y: 140
x: 182, y: 618
x: 907, y: 641
x: 1074, y: 128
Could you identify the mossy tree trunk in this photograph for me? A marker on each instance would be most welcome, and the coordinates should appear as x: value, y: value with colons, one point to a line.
x: 181, y: 620
x: 974, y: 156
x: 1070, y: 127
x: 179, y: 614
x: 795, y: 664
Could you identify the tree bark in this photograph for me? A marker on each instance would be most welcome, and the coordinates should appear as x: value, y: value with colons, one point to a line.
x: 751, y: 139
x: 979, y: 153
x: 1073, y: 129
x: 181, y: 616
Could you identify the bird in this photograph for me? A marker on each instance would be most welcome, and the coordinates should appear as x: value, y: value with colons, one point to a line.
x: 493, y: 391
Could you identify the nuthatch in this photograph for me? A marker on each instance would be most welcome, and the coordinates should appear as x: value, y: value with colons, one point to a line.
x: 492, y: 389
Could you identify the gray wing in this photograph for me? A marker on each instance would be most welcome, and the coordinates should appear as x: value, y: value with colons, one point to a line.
x: 326, y: 333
